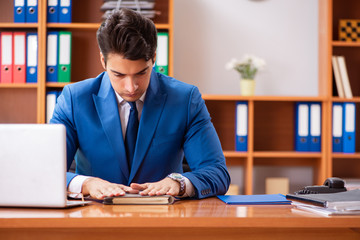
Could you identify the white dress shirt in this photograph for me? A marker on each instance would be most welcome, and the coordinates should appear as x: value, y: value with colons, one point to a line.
x: 76, y: 183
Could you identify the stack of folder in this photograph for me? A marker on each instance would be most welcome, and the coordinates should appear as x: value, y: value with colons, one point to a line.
x: 26, y: 11
x: 308, y: 127
x: 58, y: 64
x: 19, y: 57
x: 329, y: 204
x: 343, y: 127
x: 145, y: 7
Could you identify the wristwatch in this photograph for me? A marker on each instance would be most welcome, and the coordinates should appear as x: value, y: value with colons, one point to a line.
x: 180, y: 179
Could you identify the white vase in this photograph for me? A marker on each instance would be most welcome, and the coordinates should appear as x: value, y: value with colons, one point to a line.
x: 247, y: 87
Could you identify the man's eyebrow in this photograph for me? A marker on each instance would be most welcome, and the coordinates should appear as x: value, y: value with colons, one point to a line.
x: 116, y: 72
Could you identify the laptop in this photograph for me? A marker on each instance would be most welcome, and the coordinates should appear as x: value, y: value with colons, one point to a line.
x: 33, y: 166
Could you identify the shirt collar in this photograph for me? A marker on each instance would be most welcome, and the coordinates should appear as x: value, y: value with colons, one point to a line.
x: 121, y: 101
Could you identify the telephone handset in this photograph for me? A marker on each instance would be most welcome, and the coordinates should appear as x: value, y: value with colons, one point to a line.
x: 331, y: 185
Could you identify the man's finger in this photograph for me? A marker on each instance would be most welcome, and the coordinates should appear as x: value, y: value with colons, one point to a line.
x: 139, y: 187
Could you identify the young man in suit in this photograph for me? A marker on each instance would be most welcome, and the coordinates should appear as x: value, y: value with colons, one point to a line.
x: 130, y: 127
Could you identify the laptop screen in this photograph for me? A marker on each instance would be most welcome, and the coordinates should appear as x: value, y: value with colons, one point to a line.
x: 33, y: 165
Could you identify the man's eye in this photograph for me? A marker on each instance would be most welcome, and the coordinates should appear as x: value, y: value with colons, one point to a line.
x: 141, y: 73
x: 119, y: 75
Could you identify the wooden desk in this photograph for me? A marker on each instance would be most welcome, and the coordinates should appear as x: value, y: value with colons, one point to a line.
x: 192, y: 219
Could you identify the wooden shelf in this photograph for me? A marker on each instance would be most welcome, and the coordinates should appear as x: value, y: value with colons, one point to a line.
x: 20, y: 85
x: 162, y: 26
x: 56, y: 85
x: 215, y: 97
x: 18, y: 25
x: 273, y: 154
x: 346, y: 155
x: 90, y: 26
x: 82, y: 26
x: 286, y: 154
x: 337, y: 99
x: 345, y: 44
x: 235, y: 154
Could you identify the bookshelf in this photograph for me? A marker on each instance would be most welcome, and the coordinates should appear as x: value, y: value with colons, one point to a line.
x: 271, y: 119
x: 341, y: 164
x: 271, y: 124
x: 25, y: 103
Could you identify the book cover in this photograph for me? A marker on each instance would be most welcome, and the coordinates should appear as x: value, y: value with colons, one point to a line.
x: 137, y: 199
x: 337, y: 76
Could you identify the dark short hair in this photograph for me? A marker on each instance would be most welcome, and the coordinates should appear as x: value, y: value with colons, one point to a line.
x: 127, y: 33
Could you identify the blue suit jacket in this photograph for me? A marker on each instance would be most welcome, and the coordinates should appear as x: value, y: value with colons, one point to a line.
x: 174, y: 122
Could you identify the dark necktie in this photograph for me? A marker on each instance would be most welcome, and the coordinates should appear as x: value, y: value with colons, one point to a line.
x: 131, y: 133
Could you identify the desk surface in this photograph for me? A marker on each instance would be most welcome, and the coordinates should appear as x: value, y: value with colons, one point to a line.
x: 211, y: 215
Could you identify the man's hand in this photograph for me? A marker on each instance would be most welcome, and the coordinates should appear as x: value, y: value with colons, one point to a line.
x: 99, y: 188
x: 166, y: 186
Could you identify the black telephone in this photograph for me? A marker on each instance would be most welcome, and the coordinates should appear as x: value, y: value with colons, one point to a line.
x: 331, y: 185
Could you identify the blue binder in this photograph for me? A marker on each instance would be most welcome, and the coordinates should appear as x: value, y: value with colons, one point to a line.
x: 53, y: 11
x: 31, y: 57
x: 302, y: 136
x: 52, y: 57
x: 337, y: 127
x: 19, y: 11
x: 241, y: 135
x: 31, y: 15
x: 315, y: 127
x: 65, y: 11
x: 349, y: 116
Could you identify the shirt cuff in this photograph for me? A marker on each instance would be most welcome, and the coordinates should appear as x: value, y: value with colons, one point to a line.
x: 75, y: 186
x: 189, y: 189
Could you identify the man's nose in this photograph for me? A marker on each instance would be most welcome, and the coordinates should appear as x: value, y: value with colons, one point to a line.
x: 131, y: 85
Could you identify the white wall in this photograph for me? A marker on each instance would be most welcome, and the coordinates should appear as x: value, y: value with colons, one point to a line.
x: 208, y: 33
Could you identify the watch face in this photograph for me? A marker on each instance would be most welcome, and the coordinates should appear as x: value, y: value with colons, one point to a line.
x: 176, y: 175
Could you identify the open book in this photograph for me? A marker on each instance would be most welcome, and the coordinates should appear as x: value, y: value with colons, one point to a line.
x: 137, y: 199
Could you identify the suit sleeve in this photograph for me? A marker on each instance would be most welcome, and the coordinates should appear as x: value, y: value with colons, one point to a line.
x: 203, y: 151
x: 63, y: 114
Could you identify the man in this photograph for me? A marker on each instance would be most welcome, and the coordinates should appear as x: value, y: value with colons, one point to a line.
x: 130, y: 127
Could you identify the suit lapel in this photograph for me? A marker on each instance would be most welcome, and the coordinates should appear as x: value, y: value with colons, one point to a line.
x: 153, y: 107
x: 108, y: 111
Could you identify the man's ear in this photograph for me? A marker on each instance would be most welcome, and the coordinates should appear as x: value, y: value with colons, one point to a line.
x: 154, y: 59
x: 102, y: 60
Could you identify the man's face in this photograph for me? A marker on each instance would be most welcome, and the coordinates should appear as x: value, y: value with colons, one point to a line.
x: 129, y: 78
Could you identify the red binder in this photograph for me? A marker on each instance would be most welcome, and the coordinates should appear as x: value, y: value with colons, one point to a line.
x: 6, y: 57
x: 19, y: 50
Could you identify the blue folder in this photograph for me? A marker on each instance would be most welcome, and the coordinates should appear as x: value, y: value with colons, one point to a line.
x: 337, y: 127
x: 266, y: 199
x: 349, y: 126
x: 52, y: 57
x: 32, y: 57
x: 241, y: 132
x: 19, y: 11
x: 65, y: 11
x: 302, y: 127
x: 31, y: 14
x: 53, y: 11
x: 315, y: 126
